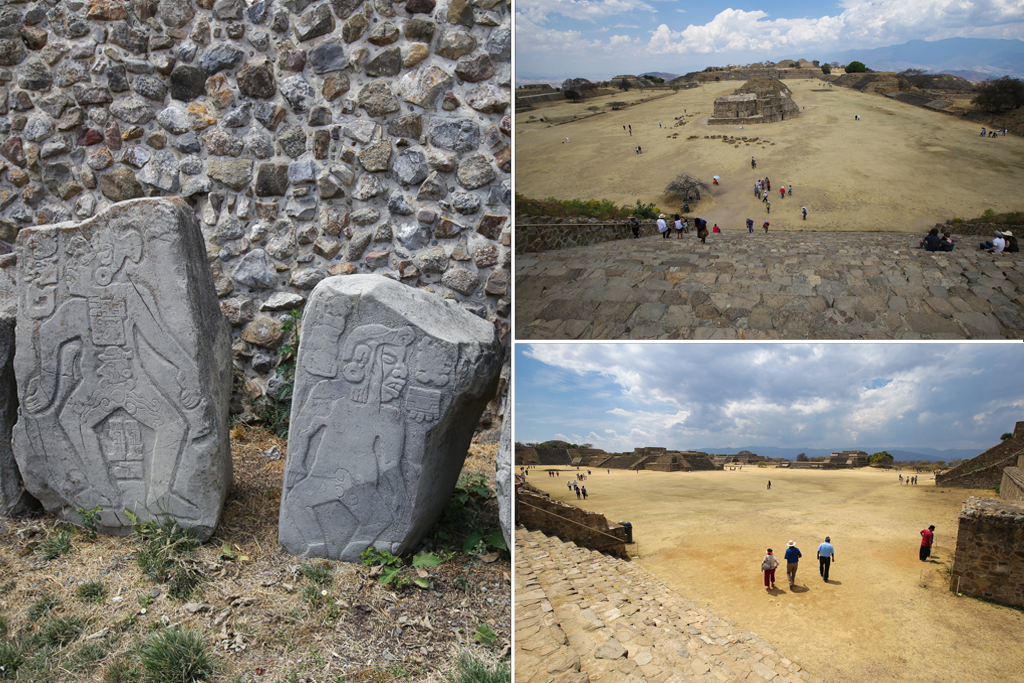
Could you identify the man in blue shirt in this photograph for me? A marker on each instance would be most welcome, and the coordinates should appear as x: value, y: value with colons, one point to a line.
x: 793, y: 556
x: 826, y: 555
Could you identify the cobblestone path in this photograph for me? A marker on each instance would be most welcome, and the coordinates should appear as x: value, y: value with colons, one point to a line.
x: 585, y: 617
x: 795, y: 285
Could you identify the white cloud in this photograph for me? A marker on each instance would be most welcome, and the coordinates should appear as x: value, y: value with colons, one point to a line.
x: 585, y: 10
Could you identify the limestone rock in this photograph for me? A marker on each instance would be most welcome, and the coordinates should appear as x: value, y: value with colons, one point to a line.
x: 389, y: 386
x: 503, y: 490
x: 422, y: 87
x: 124, y: 364
x: 120, y: 184
x: 257, y: 80
x: 377, y: 99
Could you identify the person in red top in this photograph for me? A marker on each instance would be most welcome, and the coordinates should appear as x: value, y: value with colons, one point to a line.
x: 927, y: 537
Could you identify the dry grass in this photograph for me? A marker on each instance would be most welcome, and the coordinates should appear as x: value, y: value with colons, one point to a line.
x: 253, y: 602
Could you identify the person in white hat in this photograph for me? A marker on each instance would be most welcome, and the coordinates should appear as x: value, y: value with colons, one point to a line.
x: 793, y: 556
x: 662, y: 226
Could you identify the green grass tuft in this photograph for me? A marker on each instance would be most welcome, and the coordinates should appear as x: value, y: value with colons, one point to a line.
x: 93, y: 591
x: 320, y: 574
x: 12, y: 655
x: 471, y: 669
x: 59, y: 631
x: 43, y: 605
x: 182, y: 656
x: 56, y: 543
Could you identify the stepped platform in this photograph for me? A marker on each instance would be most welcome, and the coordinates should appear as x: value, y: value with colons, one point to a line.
x: 781, y: 285
x: 585, y: 617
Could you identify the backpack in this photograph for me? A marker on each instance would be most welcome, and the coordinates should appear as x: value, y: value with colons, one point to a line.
x: 769, y: 562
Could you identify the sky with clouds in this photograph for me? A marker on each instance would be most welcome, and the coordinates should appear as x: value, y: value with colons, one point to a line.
x: 598, y: 39
x: 837, y: 396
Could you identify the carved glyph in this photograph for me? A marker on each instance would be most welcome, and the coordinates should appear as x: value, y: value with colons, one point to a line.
x: 123, y: 367
x: 389, y: 385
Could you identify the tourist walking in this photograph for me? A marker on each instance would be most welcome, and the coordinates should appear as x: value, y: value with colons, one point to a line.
x: 662, y: 225
x: 678, y: 225
x: 702, y: 232
x: 750, y: 225
x: 804, y: 209
x: 765, y: 226
x: 927, y: 538
x: 769, y: 484
x: 790, y: 190
x: 793, y: 556
x: 583, y: 490
x: 768, y: 566
x: 782, y: 193
x: 768, y: 205
x: 826, y: 556
x: 634, y: 225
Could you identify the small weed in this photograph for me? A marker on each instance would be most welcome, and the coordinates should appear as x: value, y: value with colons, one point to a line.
x: 320, y: 574
x: 485, y: 635
x: 164, y: 545
x: 470, y: 669
x: 42, y: 606
x: 56, y: 543
x: 59, y: 631
x: 7, y: 587
x: 93, y: 591
x: 4, y: 625
x: 316, y: 596
x: 184, y: 656
x: 90, y: 520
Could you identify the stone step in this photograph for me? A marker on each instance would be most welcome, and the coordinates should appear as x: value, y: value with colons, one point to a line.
x: 585, y: 616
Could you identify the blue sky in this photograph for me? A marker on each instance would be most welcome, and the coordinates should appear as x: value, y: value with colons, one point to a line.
x: 599, y: 39
x: 837, y: 396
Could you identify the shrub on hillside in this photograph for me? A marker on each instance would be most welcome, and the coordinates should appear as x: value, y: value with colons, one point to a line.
x: 856, y: 67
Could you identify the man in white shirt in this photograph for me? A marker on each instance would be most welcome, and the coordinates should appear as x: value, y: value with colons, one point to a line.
x: 663, y: 227
x: 996, y: 246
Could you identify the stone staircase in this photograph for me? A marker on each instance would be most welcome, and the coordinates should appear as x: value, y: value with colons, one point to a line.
x: 581, y: 616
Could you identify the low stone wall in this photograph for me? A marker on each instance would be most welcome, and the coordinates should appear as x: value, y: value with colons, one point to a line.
x: 547, y: 236
x: 570, y: 523
x: 985, y: 230
x: 989, y: 560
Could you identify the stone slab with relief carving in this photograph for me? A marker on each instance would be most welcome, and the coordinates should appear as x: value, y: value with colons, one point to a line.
x: 123, y: 365
x: 389, y: 386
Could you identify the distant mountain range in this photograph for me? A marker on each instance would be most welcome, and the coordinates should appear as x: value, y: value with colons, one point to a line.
x: 898, y: 454
x: 981, y: 58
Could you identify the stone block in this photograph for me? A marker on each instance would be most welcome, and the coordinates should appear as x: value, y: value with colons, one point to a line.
x: 389, y: 386
x: 503, y: 475
x: 123, y: 365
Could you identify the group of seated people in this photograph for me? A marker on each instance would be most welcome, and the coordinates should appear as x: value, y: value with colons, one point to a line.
x: 1003, y: 241
x: 932, y: 241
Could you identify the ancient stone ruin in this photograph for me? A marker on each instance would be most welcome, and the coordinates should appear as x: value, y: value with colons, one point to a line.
x: 757, y: 101
x: 389, y: 387
x: 985, y: 470
x: 310, y: 138
x: 123, y: 368
x: 989, y: 560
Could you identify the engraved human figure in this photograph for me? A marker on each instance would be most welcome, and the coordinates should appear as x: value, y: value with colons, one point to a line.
x: 355, y: 498
x: 95, y: 357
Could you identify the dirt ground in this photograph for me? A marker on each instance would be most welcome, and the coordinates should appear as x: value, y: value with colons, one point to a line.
x: 900, y: 168
x: 883, y: 616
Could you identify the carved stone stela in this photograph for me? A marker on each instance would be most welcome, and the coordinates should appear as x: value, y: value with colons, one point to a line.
x: 389, y: 386
x: 124, y: 368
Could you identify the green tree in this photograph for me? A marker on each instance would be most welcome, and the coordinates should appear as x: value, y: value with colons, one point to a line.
x: 1003, y: 93
x: 802, y: 457
x: 1006, y: 436
x: 826, y: 69
x: 881, y: 459
x: 622, y: 84
x: 856, y: 67
x: 577, y: 89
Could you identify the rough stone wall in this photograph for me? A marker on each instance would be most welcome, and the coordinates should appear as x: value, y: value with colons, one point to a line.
x: 311, y: 138
x: 985, y: 470
x: 989, y: 560
x: 570, y: 523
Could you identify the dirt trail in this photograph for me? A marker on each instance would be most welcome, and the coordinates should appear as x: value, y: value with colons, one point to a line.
x: 898, y: 168
x: 884, y: 615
